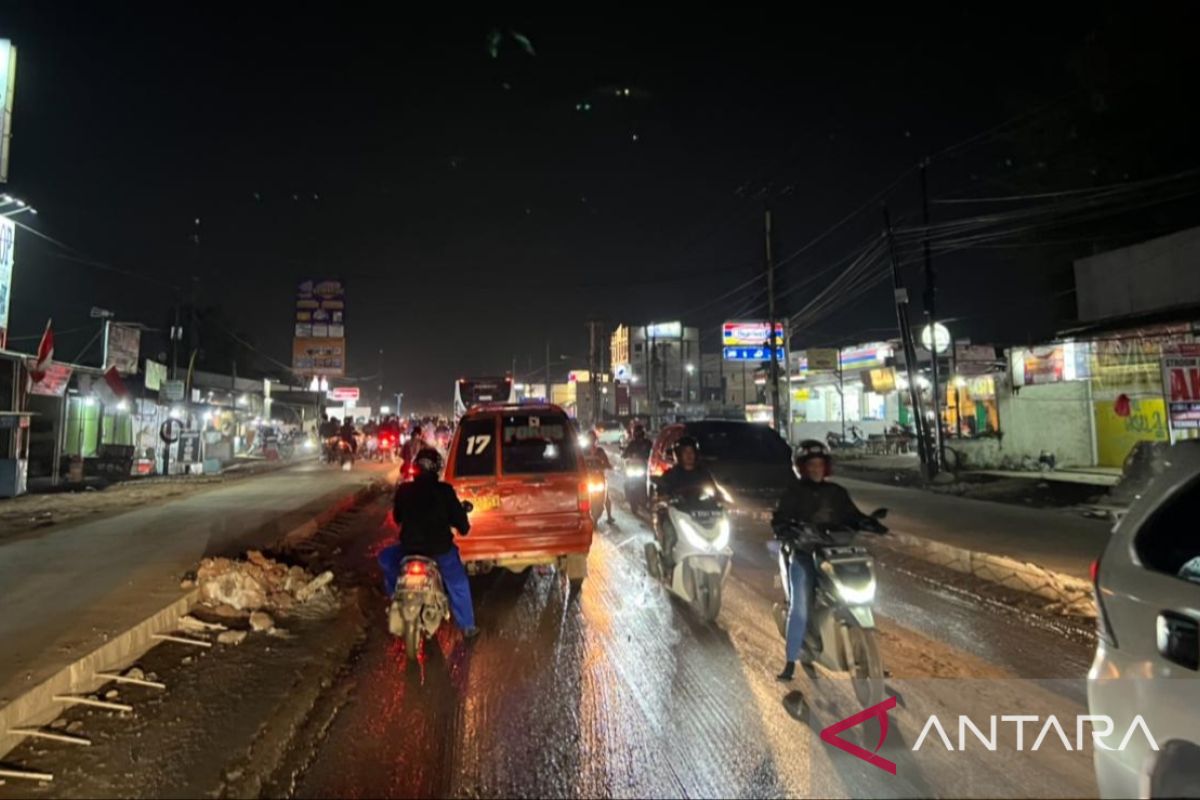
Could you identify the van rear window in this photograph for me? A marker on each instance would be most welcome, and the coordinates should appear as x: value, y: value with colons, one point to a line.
x: 537, y: 443
x: 475, y: 453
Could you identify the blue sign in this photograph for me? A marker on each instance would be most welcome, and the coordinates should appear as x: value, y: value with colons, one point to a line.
x: 753, y: 354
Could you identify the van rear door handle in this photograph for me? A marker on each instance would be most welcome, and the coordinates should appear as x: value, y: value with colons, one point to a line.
x: 1178, y: 638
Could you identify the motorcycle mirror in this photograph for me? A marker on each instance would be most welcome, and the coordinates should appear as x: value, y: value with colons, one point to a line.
x: 879, y: 513
x: 468, y: 506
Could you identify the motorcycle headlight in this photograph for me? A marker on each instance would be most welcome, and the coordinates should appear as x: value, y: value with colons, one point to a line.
x: 858, y: 595
x: 596, y: 487
x: 724, y: 529
x: 635, y: 472
x: 692, y: 534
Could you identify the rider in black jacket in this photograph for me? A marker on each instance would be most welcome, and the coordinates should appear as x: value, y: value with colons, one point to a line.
x: 810, y: 501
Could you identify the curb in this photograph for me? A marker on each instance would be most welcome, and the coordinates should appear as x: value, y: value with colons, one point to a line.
x: 36, y: 706
x: 1067, y: 593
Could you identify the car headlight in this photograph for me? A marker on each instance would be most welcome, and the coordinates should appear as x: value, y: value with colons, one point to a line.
x: 635, y: 472
x: 584, y: 441
x: 596, y: 487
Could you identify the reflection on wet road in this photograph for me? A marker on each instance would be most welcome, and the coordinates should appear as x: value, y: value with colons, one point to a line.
x: 615, y: 692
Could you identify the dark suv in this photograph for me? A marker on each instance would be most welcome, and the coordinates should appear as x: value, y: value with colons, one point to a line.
x: 750, y: 460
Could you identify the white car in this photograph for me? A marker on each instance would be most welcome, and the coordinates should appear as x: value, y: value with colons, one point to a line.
x: 1148, y: 653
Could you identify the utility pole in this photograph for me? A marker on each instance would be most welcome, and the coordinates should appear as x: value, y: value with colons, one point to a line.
x: 939, y: 455
x: 549, y: 390
x: 910, y: 350
x: 593, y: 370
x: 771, y: 323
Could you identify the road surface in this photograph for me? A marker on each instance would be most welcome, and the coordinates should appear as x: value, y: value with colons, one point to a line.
x: 65, y: 589
x: 620, y: 692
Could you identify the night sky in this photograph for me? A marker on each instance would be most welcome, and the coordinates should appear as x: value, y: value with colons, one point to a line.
x: 478, y: 205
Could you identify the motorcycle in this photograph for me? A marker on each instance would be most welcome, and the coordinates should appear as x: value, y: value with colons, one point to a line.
x: 420, y: 603
x: 852, y: 439
x: 691, y: 551
x: 386, y: 452
x: 635, y: 485
x: 841, y: 621
x: 597, y: 492
x: 343, y: 454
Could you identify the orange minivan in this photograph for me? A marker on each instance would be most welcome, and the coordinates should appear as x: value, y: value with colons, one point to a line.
x: 522, y: 469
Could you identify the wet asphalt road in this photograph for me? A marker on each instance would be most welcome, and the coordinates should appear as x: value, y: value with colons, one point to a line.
x: 620, y: 692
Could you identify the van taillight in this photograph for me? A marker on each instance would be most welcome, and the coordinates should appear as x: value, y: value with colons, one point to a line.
x: 1103, y: 628
x: 585, y: 497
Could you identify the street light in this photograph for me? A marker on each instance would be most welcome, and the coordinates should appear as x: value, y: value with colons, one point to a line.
x: 691, y: 369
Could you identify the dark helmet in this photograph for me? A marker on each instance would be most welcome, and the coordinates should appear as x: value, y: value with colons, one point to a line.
x: 429, y: 461
x: 639, y: 430
x: 416, y: 430
x: 684, y: 442
x: 813, y: 448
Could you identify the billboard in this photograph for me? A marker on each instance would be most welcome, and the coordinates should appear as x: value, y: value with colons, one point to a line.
x: 319, y: 356
x: 8, y: 85
x: 319, y: 346
x: 320, y: 310
x: 750, y: 334
x: 1181, y: 385
x: 759, y: 353
x: 121, y: 346
x: 54, y: 382
x: 8, y: 235
x: 343, y: 394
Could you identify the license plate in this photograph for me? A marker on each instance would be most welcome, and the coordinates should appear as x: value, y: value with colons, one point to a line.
x: 486, y: 502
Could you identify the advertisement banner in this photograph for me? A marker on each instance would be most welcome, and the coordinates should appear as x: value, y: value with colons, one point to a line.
x: 753, y: 354
x: 750, y: 334
x: 156, y: 375
x: 1181, y: 385
x: 121, y: 346
x: 8, y: 234
x: 879, y: 381
x: 8, y: 85
x: 319, y: 356
x: 189, y: 447
x: 54, y: 382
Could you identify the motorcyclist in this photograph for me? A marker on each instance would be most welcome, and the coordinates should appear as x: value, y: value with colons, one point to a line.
x: 349, y: 435
x: 639, y: 447
x: 811, y: 500
x: 597, y: 460
x: 688, y: 475
x: 414, y: 445
x: 425, y: 509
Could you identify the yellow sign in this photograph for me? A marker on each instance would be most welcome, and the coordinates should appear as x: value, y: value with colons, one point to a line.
x: 1116, y: 436
x: 822, y: 359
x: 880, y: 381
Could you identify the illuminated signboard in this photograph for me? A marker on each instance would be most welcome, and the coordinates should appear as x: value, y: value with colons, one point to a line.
x: 752, y: 354
x: 749, y: 334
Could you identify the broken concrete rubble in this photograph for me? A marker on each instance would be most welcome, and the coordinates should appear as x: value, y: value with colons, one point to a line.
x: 259, y: 583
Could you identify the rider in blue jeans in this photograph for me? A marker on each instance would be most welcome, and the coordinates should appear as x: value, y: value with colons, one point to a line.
x: 810, y: 501
x: 426, y: 509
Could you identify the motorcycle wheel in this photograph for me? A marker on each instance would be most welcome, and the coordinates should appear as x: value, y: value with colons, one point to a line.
x: 653, y: 562
x: 708, y: 597
x: 866, y: 665
x: 412, y: 641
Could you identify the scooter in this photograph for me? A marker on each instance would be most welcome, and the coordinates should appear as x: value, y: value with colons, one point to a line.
x: 419, y: 603
x: 635, y: 485
x: 691, y: 551
x: 597, y: 493
x: 841, y: 621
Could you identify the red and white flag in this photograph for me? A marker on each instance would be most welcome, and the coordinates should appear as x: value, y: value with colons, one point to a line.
x: 112, y: 389
x: 45, y: 354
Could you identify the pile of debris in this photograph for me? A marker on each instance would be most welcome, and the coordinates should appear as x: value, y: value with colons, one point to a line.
x: 258, y: 583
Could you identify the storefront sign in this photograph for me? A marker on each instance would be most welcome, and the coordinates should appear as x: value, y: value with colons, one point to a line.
x: 622, y: 372
x: 8, y: 84
x: 935, y: 337
x: 578, y: 376
x: 879, y: 381
x: 121, y: 346
x: 822, y: 359
x: 320, y: 309
x: 1181, y: 385
x: 54, y: 382
x: 8, y: 234
x: 344, y: 394
x: 173, y: 391
x: 750, y: 334
x: 314, y: 356
x: 868, y: 356
x: 752, y: 354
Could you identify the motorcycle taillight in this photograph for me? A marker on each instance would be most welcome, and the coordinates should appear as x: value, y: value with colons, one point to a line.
x: 416, y: 568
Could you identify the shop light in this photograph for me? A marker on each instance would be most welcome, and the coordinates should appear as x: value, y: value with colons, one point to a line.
x: 243, y: 401
x: 385, y: 409
x: 633, y: 378
x: 177, y: 412
x: 90, y: 400
x: 207, y: 417
x: 123, y: 405
x: 960, y: 382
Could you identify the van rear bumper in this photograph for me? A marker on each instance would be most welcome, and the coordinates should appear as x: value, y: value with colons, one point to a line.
x: 517, y: 551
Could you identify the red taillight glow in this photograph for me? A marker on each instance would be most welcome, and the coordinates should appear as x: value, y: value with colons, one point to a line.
x: 585, y: 497
x: 1094, y: 570
x: 415, y: 568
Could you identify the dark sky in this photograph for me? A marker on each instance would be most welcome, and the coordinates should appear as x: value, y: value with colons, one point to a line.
x: 472, y: 210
